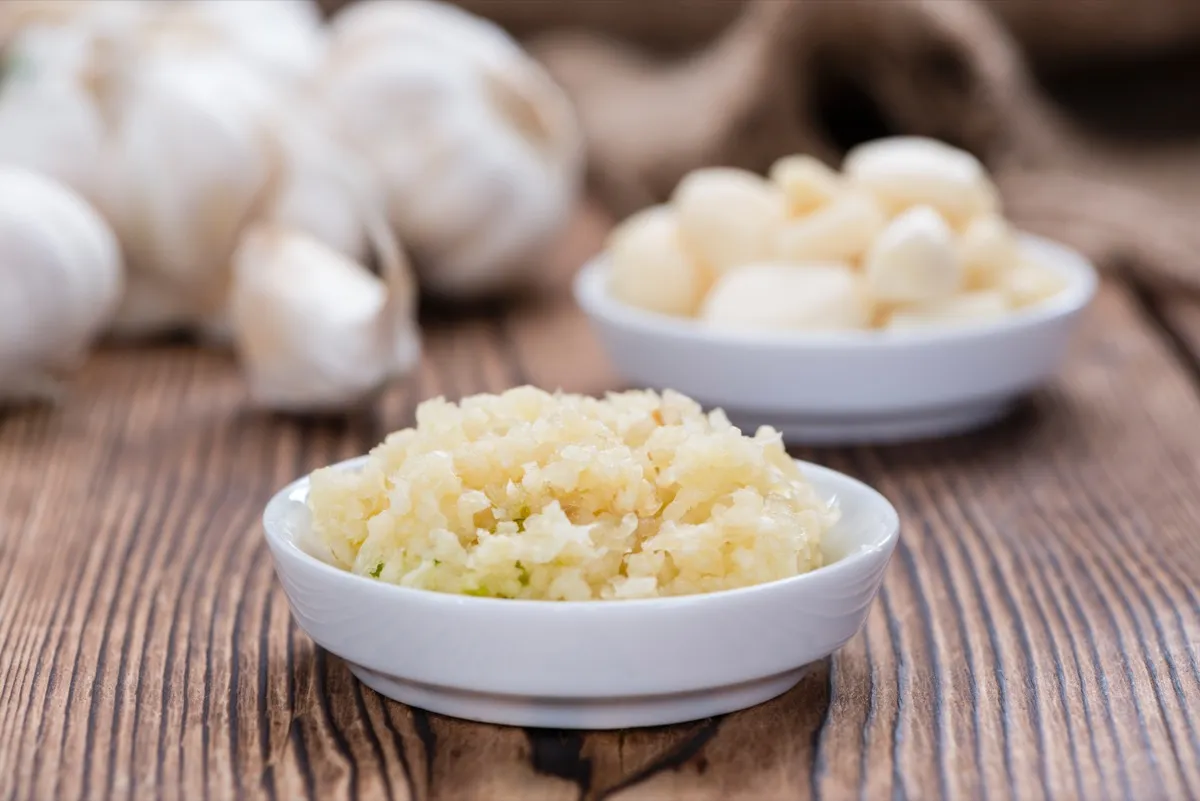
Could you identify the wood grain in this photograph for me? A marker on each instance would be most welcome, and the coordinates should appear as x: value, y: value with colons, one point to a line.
x: 1038, y: 634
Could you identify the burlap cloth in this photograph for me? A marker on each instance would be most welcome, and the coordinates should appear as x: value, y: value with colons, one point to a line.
x: 664, y: 86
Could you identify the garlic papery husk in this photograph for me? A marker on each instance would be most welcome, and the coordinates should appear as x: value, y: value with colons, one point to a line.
x: 61, y: 278
x: 193, y: 162
x: 283, y: 40
x: 49, y: 119
x: 92, y: 16
x: 315, y: 331
x: 477, y: 148
x: 324, y: 185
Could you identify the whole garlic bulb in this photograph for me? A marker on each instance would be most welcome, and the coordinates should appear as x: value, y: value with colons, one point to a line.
x: 193, y: 164
x: 50, y: 121
x: 62, y: 279
x: 91, y: 16
x: 314, y: 330
x: 283, y: 40
x: 477, y: 148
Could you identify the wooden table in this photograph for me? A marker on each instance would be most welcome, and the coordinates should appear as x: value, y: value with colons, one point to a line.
x: 1038, y: 633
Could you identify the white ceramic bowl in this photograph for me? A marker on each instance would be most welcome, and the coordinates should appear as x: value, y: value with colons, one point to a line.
x: 853, y: 386
x: 588, y: 664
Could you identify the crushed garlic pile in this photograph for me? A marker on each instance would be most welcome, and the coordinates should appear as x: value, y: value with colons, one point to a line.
x: 534, y: 495
x: 908, y: 234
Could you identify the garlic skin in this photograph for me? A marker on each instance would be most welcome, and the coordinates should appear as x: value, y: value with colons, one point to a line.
x: 85, y: 16
x: 650, y: 269
x: 314, y: 330
x: 477, y: 148
x: 195, y: 165
x: 283, y: 39
x: 728, y: 217
x: 62, y: 280
x: 959, y: 310
x: 50, y: 121
x: 913, y: 260
x: 841, y: 231
x: 907, y: 171
x: 324, y: 185
x: 802, y: 297
x: 808, y: 183
x: 987, y: 249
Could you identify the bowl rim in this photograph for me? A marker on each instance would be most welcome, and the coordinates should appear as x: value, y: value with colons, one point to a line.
x: 589, y: 287
x: 274, y: 517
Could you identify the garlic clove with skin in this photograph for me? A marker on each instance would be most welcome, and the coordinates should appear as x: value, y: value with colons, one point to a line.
x: 61, y: 277
x: 315, y: 331
x: 478, y: 150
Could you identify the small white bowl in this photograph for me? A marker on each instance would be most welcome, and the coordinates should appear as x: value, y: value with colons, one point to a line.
x: 588, y: 664
x: 851, y: 386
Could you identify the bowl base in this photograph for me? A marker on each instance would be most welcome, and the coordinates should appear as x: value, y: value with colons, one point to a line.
x: 579, y: 713
x: 881, y: 428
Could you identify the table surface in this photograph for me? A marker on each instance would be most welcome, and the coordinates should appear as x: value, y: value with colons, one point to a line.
x: 1037, y: 635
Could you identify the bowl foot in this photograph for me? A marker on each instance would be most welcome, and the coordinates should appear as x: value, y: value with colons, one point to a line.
x: 579, y: 713
x: 850, y: 429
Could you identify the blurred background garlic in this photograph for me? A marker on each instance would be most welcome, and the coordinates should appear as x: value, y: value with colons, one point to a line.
x: 194, y: 164
x: 50, y: 120
x: 91, y: 16
x: 284, y: 39
x: 237, y: 149
x: 477, y: 147
x: 61, y: 279
x: 316, y: 331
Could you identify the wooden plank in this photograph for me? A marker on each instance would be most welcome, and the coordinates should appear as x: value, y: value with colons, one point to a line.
x: 1037, y: 635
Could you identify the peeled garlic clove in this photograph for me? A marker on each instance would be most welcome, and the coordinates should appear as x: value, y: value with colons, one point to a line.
x: 841, y: 231
x: 314, y: 330
x: 728, y: 217
x: 913, y: 259
x: 477, y: 148
x: 1030, y: 282
x: 987, y: 249
x: 958, y: 310
x: 650, y: 269
x: 774, y: 296
x: 61, y: 278
x: 807, y: 183
x: 906, y: 171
